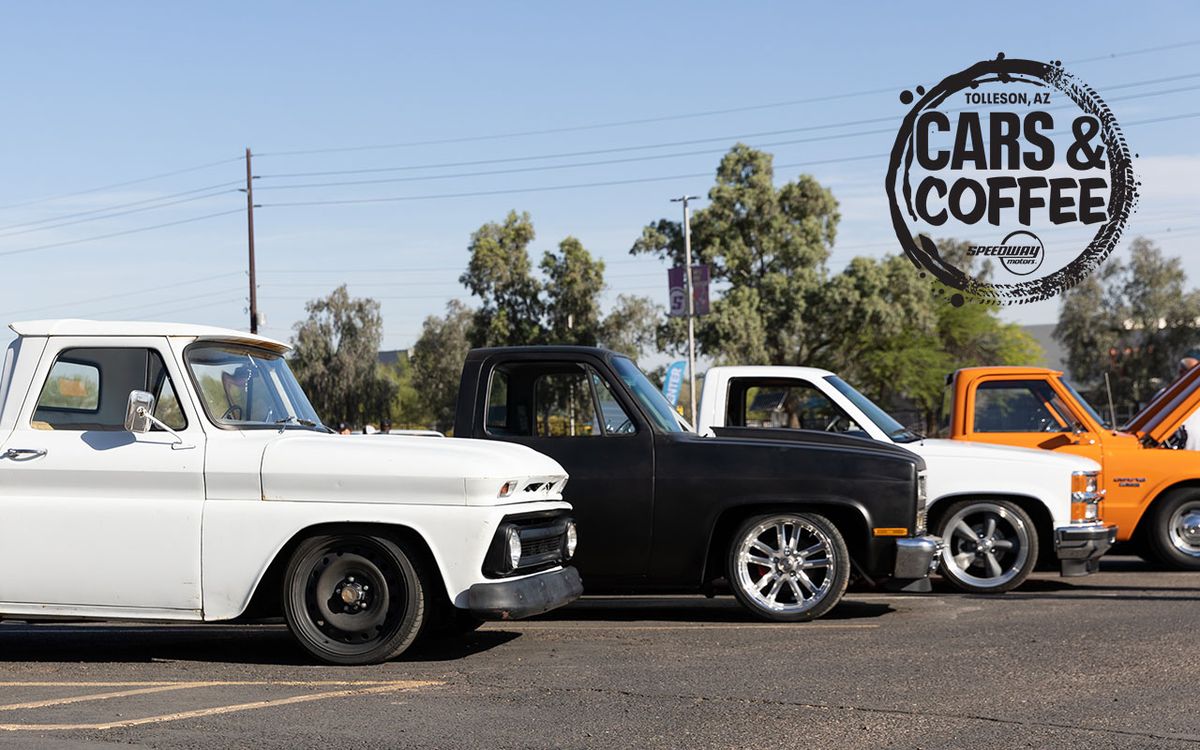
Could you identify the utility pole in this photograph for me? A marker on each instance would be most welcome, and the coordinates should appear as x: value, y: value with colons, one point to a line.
x: 250, y: 235
x: 691, y: 302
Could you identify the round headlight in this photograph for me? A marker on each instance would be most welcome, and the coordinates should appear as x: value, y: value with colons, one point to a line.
x: 572, y: 540
x: 514, y: 548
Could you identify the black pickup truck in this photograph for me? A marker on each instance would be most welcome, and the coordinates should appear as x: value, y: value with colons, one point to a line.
x: 781, y: 516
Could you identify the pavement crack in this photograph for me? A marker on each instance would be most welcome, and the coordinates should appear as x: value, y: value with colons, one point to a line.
x: 847, y: 707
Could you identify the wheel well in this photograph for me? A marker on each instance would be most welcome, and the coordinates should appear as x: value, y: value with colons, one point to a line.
x: 847, y: 520
x: 1185, y: 484
x: 266, y: 601
x: 1043, y: 522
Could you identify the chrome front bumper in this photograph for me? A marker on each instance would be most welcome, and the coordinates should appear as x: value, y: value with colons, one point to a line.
x: 1080, y: 546
x: 917, y: 557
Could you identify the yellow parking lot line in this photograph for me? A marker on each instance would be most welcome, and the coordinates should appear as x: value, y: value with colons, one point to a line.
x: 209, y: 683
x: 99, y: 696
x: 608, y: 626
x: 359, y: 689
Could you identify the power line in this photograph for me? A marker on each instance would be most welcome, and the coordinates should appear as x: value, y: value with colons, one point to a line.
x: 118, y: 234
x: 570, y: 154
x: 118, y: 205
x: 670, y: 118
x: 653, y: 146
x: 126, y: 183
x: 119, y: 213
x: 1146, y: 50
x: 629, y: 181
x: 548, y: 188
x: 572, y: 165
x: 160, y: 303
x: 579, y: 128
x: 190, y: 307
x: 75, y: 303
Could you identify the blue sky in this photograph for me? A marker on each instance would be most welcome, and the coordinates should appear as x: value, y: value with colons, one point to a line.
x: 101, y: 94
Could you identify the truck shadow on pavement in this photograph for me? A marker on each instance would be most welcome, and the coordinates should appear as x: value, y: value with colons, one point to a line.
x: 218, y: 644
x: 1121, y: 578
x: 722, y: 609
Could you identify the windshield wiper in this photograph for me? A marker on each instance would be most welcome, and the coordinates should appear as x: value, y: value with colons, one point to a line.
x: 299, y: 421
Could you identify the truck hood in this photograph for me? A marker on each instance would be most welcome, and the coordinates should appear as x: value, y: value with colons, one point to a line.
x: 935, y: 449
x: 815, y: 437
x: 1168, y: 410
x: 407, y: 470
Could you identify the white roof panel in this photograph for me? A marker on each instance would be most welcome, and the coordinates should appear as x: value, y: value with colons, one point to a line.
x: 74, y: 327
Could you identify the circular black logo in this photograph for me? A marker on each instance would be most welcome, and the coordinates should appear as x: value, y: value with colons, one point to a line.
x: 1020, y: 252
x: 1004, y: 148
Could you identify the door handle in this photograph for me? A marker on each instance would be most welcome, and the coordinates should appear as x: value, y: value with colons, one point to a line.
x: 23, y: 454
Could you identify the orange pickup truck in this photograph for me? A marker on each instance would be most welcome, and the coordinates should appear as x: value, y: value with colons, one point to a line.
x: 1152, y: 489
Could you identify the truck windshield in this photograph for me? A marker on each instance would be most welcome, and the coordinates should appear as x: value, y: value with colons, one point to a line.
x: 1088, y: 407
x: 650, y: 398
x: 881, y: 418
x: 242, y: 386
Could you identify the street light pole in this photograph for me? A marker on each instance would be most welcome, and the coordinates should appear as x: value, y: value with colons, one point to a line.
x: 250, y: 242
x: 691, y: 302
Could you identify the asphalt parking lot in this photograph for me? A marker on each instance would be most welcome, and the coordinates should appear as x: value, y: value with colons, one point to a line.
x: 1099, y: 662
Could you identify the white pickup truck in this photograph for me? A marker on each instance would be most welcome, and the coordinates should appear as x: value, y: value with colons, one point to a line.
x: 175, y: 472
x: 995, y: 507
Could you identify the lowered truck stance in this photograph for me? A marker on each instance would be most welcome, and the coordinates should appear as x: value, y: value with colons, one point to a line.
x: 661, y: 509
x: 175, y: 472
x: 998, y: 509
x: 1151, y: 485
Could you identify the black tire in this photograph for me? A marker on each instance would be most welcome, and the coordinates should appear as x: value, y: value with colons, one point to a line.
x: 389, y: 605
x: 971, y: 556
x: 1166, y: 535
x: 797, y: 594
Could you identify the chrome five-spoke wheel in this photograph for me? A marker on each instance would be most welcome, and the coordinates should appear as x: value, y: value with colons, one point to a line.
x: 991, y: 546
x: 789, y: 566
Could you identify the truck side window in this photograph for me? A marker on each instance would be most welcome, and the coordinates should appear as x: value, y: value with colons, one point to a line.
x: 616, y: 419
x: 497, y: 405
x: 87, y: 389
x: 788, y: 404
x: 1019, y: 406
x: 563, y: 405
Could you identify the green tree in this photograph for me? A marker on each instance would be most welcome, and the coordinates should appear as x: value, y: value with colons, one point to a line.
x: 517, y: 307
x: 1133, y: 319
x: 630, y: 328
x: 877, y: 322
x: 335, y: 358
x: 768, y: 244
x: 408, y: 408
x: 500, y: 275
x: 438, y: 361
x: 574, y: 281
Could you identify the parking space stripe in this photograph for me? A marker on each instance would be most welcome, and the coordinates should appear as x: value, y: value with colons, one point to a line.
x: 609, y: 627
x: 99, y: 696
x: 360, y: 689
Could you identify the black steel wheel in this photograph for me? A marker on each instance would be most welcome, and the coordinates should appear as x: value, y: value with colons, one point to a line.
x: 353, y: 599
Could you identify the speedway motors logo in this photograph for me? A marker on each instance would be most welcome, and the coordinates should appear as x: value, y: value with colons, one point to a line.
x: 1023, y: 159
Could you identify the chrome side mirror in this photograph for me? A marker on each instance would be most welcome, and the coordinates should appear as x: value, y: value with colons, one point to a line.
x: 138, y: 411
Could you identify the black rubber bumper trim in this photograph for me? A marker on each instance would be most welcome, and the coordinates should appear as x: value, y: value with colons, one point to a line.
x: 524, y: 597
x: 1079, y: 548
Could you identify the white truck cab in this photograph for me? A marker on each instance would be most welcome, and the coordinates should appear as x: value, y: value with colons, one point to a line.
x: 994, y: 506
x: 177, y: 472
